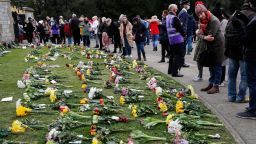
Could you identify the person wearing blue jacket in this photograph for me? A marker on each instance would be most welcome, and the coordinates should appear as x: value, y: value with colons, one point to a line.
x: 183, y: 16
x: 191, y: 29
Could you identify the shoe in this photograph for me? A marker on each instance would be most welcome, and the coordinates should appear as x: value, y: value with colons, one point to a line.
x: 247, y: 115
x: 214, y: 90
x: 161, y: 61
x: 197, y: 79
x: 207, y: 88
x: 222, y: 84
x: 231, y: 99
x: 241, y: 100
x: 188, y: 53
x: 97, y: 46
x: 178, y: 75
x: 114, y: 52
x: 185, y: 65
x: 145, y: 59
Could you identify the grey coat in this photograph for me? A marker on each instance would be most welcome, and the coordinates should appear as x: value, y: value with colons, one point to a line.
x: 216, y: 46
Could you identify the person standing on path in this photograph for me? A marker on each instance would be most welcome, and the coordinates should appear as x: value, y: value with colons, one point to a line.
x: 212, y: 41
x: 68, y: 32
x: 29, y: 29
x: 249, y: 10
x: 163, y: 37
x: 139, y: 32
x: 85, y: 32
x: 184, y: 16
x: 95, y: 26
x: 191, y: 30
x: 62, y: 34
x: 126, y: 36
x: 154, y: 23
x: 176, y: 40
x: 75, y: 29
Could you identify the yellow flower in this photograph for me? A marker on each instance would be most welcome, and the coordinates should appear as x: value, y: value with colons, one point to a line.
x: 134, y: 111
x: 22, y: 111
x: 88, y: 72
x: 84, y: 86
x: 53, y: 96
x: 163, y: 107
x: 134, y: 64
x: 82, y: 77
x: 169, y: 118
x: 179, y: 107
x: 84, y: 101
x: 193, y: 94
x: 122, y: 100
x: 18, y: 127
x: 95, y: 141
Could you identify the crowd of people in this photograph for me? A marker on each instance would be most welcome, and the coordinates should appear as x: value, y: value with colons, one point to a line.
x: 216, y: 46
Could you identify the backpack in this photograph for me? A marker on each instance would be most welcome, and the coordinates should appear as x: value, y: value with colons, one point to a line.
x: 235, y: 32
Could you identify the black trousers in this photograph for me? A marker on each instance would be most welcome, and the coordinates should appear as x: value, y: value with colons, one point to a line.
x: 76, y: 37
x: 176, y: 58
x: 165, y: 48
x: 117, y: 43
x: 100, y: 39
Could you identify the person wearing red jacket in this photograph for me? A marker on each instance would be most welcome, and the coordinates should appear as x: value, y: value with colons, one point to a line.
x: 154, y: 30
x: 68, y: 32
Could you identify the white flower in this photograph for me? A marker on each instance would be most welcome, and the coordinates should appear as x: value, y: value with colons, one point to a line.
x: 173, y: 126
x: 91, y: 94
x: 159, y: 91
x: 20, y: 84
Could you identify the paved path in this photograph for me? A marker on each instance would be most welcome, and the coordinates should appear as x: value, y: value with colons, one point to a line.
x: 244, y: 131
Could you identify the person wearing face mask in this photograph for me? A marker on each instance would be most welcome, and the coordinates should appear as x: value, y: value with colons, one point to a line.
x: 211, y: 43
x: 184, y: 17
x: 176, y: 40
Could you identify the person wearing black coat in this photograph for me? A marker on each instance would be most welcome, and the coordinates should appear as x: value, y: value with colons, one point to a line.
x: 249, y: 10
x: 100, y: 31
x: 117, y: 38
x: 139, y: 32
x: 75, y: 29
x: 163, y: 37
x: 29, y: 28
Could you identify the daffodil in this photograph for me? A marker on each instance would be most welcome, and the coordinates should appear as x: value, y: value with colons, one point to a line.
x: 53, y: 96
x: 18, y: 127
x: 95, y: 141
x: 84, y: 86
x: 122, y: 100
x: 134, y: 64
x: 134, y: 111
x: 84, y: 101
x: 179, y: 107
x: 82, y: 77
x: 169, y: 118
x: 162, y: 107
x: 22, y: 111
x: 88, y: 72
x: 193, y: 94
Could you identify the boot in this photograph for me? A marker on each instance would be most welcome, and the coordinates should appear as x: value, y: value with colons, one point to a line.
x: 214, y: 90
x: 144, y: 56
x: 207, y: 88
x: 139, y: 57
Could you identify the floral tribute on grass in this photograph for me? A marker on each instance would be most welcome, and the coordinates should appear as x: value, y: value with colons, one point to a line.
x: 115, y: 101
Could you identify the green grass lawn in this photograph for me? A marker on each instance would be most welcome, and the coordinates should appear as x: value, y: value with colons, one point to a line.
x: 12, y: 67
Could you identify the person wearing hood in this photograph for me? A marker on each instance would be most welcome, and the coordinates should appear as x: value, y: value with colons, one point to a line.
x: 154, y: 23
x: 176, y: 40
x: 139, y: 32
x: 211, y: 42
x: 249, y: 10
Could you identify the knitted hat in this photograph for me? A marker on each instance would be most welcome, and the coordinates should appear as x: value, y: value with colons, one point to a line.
x: 200, y: 8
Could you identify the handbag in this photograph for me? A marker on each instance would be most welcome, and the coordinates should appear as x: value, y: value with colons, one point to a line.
x: 207, y: 57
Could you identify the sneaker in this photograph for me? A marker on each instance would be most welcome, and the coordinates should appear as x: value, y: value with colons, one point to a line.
x: 231, y: 99
x: 222, y: 84
x: 247, y: 115
x: 197, y: 79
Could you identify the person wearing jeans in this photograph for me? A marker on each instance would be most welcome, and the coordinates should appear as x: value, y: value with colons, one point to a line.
x: 233, y: 69
x: 215, y: 75
x: 139, y: 32
x: 154, y: 27
x: 126, y: 35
